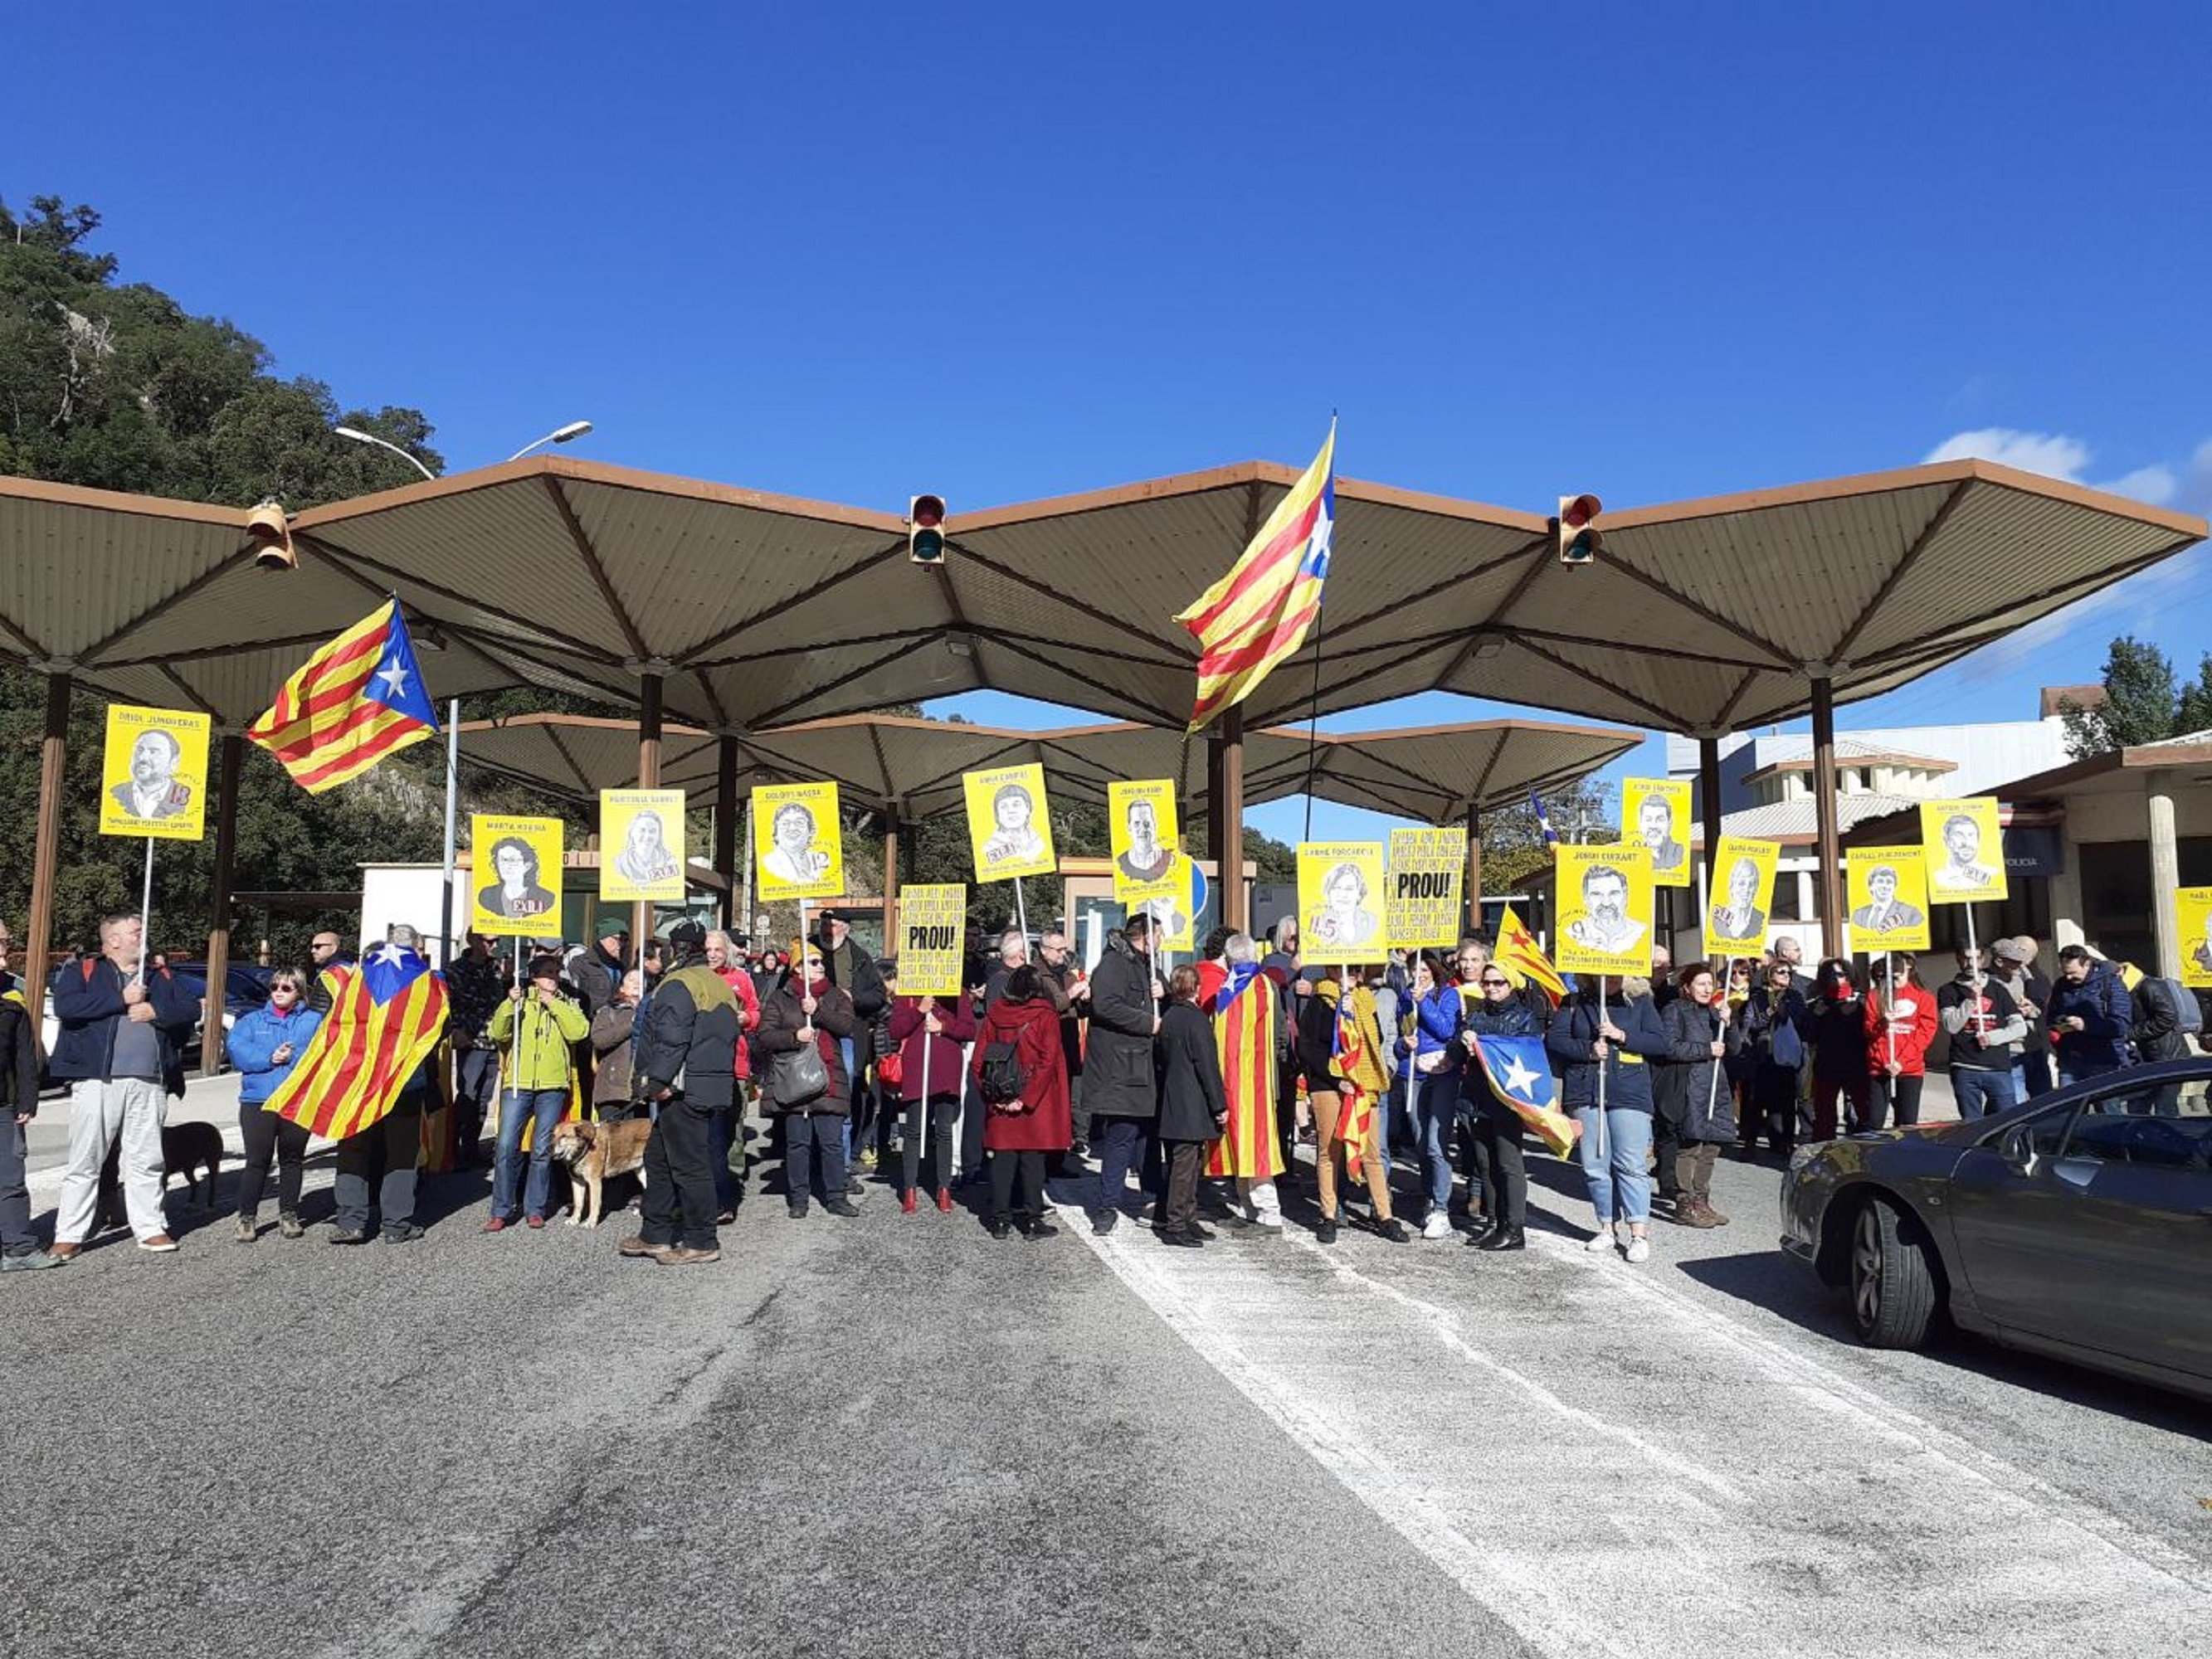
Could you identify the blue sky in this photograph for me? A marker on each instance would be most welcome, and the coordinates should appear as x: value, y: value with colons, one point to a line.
x: 1004, y: 252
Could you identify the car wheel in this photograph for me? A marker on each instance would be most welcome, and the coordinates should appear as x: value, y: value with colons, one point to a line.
x: 1892, y: 1283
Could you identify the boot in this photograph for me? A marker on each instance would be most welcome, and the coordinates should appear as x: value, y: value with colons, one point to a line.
x: 1505, y: 1239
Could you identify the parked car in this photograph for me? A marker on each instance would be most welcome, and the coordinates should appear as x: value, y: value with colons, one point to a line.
x: 2078, y: 1226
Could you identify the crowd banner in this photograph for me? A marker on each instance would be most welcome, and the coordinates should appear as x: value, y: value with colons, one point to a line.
x: 514, y: 876
x: 641, y: 844
x: 153, y: 774
x: 1655, y: 812
x: 2192, y: 925
x: 1604, y: 896
x: 1426, y: 872
x: 1009, y: 822
x: 1965, y: 849
x: 1143, y: 836
x: 1173, y: 912
x: 1341, y: 902
x: 1887, y: 889
x: 933, y: 928
x: 1743, y: 893
x: 798, y: 842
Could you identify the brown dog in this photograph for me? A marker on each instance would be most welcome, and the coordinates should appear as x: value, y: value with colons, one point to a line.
x: 595, y: 1153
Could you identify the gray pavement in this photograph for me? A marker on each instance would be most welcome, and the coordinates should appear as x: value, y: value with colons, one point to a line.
x: 893, y: 1434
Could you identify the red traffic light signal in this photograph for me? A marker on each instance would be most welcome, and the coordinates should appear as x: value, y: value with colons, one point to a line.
x: 924, y: 530
x: 1575, y: 535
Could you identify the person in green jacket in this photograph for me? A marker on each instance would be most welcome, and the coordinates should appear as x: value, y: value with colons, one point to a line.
x: 535, y: 1030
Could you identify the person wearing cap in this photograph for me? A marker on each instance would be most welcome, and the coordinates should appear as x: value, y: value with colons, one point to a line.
x: 1118, y: 1082
x: 601, y: 967
x: 543, y: 1026
x: 2015, y: 969
x: 686, y: 1067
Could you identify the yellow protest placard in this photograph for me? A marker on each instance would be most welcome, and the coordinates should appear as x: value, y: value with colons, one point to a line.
x: 514, y: 875
x: 1142, y: 836
x: 1964, y: 847
x: 1605, y: 908
x: 2192, y: 924
x: 153, y: 773
x: 1656, y: 812
x: 1887, y: 890
x: 1426, y: 876
x: 1742, y: 893
x: 933, y: 929
x: 1340, y: 901
x: 640, y: 844
x: 1009, y: 826
x: 1171, y: 909
x: 798, y: 841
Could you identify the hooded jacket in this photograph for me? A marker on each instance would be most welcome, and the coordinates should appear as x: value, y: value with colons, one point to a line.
x: 691, y: 1034
x: 542, y: 1056
x: 253, y: 1041
x: 1117, y: 1060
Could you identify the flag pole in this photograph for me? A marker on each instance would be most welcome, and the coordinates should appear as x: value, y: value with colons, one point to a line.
x: 452, y: 821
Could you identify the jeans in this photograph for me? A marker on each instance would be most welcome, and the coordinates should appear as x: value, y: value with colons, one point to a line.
x: 811, y: 1139
x: 1121, y: 1148
x: 542, y: 1106
x: 15, y: 1236
x: 133, y: 1110
x: 679, y: 1189
x: 1435, y: 1112
x: 475, y: 1081
x: 386, y: 1153
x: 2080, y: 1071
x: 1618, y: 1184
x: 1981, y: 1093
x: 1030, y: 1167
x: 270, y: 1138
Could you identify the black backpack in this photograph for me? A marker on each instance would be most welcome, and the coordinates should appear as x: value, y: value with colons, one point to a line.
x: 1001, y: 1076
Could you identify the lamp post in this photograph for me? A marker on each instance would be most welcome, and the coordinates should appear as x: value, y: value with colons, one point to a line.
x: 567, y: 433
x: 561, y: 435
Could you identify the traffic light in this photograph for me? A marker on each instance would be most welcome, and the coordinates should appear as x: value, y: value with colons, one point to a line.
x: 1574, y: 536
x: 924, y: 530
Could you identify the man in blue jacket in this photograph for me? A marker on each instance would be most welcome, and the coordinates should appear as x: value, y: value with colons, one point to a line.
x: 121, y: 1036
x: 2089, y: 1015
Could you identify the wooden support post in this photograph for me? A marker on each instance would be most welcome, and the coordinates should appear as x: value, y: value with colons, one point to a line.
x: 1825, y: 805
x: 726, y: 830
x: 1229, y: 872
x: 46, y: 844
x: 891, y: 880
x: 218, y: 948
x: 648, y: 777
x: 1473, y: 868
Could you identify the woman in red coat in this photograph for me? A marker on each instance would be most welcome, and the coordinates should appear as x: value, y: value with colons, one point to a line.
x: 930, y: 1030
x: 1900, y: 1023
x: 1027, y: 1124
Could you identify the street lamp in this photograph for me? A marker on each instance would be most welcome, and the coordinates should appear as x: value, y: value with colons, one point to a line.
x: 560, y: 436
x: 354, y: 435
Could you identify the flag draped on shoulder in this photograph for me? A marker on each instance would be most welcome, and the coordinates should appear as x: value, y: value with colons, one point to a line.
x: 1258, y: 613
x: 386, y: 1017
x: 1355, y: 1112
x: 1523, y: 959
x: 355, y: 700
x: 1242, y: 1000
x: 1520, y: 1076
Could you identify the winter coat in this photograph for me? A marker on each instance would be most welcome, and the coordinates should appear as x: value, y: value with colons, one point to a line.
x: 19, y: 1062
x: 1045, y: 1124
x: 1695, y: 1095
x: 1117, y: 1062
x: 1437, y: 1020
x: 254, y: 1040
x: 1512, y: 1017
x: 1626, y: 1068
x: 1192, y: 1095
x: 2031, y: 992
x: 88, y: 1005
x: 690, y: 1031
x: 2100, y: 1003
x: 2158, y: 1034
x: 1773, y: 1082
x: 611, y: 1028
x: 944, y: 1049
x: 595, y: 975
x: 741, y: 986
x: 1915, y: 1029
x: 782, y: 1019
x: 1835, y: 1030
x: 541, y: 1059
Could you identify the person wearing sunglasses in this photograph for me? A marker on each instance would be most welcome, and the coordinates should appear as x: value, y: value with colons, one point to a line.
x: 1499, y: 1200
x: 263, y: 1047
x: 1771, y: 1040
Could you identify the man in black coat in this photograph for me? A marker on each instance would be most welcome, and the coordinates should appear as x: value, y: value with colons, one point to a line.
x: 1118, y: 1082
x: 692, y: 1028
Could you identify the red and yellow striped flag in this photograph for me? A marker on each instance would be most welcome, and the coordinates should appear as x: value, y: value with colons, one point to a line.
x: 356, y: 700
x: 1241, y: 1000
x: 1524, y: 960
x: 386, y: 1018
x: 1258, y: 614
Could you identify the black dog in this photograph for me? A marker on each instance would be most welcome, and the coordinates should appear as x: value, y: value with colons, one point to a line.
x: 186, y: 1149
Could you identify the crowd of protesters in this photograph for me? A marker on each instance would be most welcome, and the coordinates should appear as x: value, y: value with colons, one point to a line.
x: 1128, y: 1087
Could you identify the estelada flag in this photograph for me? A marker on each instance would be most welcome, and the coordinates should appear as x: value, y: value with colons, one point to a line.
x: 1520, y: 1076
x: 1258, y: 614
x: 1523, y: 959
x: 1355, y: 1112
x: 1242, y: 1000
x: 386, y: 1018
x: 355, y: 700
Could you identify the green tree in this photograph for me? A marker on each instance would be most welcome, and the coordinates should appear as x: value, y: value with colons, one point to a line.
x: 2195, y: 711
x: 2142, y: 702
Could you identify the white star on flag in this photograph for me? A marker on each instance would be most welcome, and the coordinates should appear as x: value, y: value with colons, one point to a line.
x: 394, y: 676
x: 1518, y: 1078
x: 389, y: 954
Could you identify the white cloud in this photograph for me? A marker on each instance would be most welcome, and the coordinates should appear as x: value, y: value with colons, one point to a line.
x: 2154, y: 485
x: 2050, y: 454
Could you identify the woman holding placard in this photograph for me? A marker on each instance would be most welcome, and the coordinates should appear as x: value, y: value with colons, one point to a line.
x: 1901, y: 1024
x: 929, y: 1033
x: 1602, y: 1042
x: 807, y: 1011
x: 1434, y: 1041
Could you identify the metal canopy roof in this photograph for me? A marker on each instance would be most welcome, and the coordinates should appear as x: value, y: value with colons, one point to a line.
x: 1432, y: 774
x: 760, y: 609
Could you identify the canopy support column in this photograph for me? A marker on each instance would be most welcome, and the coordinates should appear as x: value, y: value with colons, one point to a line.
x: 1214, y: 843
x: 726, y: 827
x: 218, y: 948
x: 891, y: 880
x: 648, y: 777
x: 1473, y: 868
x: 1824, y: 801
x: 1229, y: 804
x: 45, y: 845
x: 2165, y: 876
x: 1709, y: 824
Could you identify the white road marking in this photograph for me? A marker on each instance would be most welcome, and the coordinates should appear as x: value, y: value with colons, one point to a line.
x: 1573, y: 1461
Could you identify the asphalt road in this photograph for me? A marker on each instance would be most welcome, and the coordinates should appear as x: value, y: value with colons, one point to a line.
x: 893, y: 1434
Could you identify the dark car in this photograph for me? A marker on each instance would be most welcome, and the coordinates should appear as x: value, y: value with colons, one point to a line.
x: 2078, y: 1226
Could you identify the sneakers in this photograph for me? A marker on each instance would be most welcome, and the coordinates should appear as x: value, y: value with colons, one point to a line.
x: 1104, y: 1222
x: 246, y: 1230
x: 1438, y: 1225
x: 1602, y: 1242
x: 290, y: 1227
x: 403, y: 1232
x: 1325, y: 1233
x: 1267, y: 1218
x: 158, y: 1244
x: 32, y: 1263
x: 1639, y: 1249
x: 348, y: 1236
x: 682, y: 1255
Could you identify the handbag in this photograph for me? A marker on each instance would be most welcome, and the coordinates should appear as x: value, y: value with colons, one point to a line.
x: 890, y: 1070
x: 798, y: 1077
